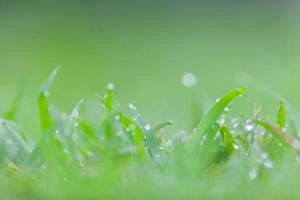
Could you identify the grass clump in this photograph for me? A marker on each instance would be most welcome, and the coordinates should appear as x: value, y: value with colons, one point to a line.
x: 120, y: 155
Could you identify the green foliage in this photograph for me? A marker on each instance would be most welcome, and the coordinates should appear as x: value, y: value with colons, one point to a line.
x: 81, y: 157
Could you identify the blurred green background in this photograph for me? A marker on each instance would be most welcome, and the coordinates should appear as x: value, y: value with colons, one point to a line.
x: 144, y: 48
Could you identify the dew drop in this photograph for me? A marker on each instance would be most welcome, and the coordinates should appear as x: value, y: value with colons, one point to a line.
x: 189, y: 80
x: 169, y: 143
x: 268, y: 164
x: 46, y: 93
x: 235, y: 146
x: 157, y: 156
x: 110, y: 86
x: 117, y: 117
x: 217, y: 100
x: 234, y: 123
x: 253, y: 174
x: 226, y: 109
x: 147, y: 127
x: 131, y: 106
x: 132, y: 126
x: 284, y: 129
x: 249, y: 126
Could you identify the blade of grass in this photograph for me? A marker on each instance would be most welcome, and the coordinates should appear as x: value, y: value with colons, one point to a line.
x: 11, y: 113
x: 283, y: 136
x: 213, y: 115
x: 45, y: 117
x: 227, y: 138
x: 281, y: 119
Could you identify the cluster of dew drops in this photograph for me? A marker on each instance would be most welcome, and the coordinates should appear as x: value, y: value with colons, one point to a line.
x: 248, y: 126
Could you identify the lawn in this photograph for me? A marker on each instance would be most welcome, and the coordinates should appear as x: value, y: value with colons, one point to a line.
x: 159, y: 100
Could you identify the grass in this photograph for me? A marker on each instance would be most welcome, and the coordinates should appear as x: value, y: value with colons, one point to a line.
x: 117, y: 154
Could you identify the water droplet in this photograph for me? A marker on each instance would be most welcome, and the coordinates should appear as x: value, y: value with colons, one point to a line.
x: 226, y: 109
x: 268, y: 164
x: 264, y: 156
x: 117, y: 117
x: 284, y: 129
x: 76, y: 124
x: 169, y: 143
x: 147, y: 127
x: 110, y: 86
x: 157, y: 156
x: 189, y: 80
x: 217, y: 100
x: 132, y: 126
x: 46, y: 93
x: 182, y: 136
x: 234, y: 123
x: 131, y: 106
x: 235, y: 146
x: 253, y: 174
x: 249, y: 126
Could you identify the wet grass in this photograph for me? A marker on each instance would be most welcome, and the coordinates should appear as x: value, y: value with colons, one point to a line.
x: 112, y: 152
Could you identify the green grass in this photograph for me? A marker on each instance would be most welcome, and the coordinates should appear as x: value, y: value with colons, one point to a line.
x: 112, y: 152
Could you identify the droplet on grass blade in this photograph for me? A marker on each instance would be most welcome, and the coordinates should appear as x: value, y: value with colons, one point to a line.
x: 253, y: 174
x: 268, y: 164
x: 235, y: 146
x: 117, y: 117
x: 147, y: 127
x: 234, y: 123
x: 46, y: 93
x: 131, y: 106
x: 189, y: 80
x: 249, y: 126
x: 226, y: 109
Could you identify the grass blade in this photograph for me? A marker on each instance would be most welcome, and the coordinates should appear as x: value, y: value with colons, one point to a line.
x: 213, y: 115
x: 283, y: 136
x: 281, y: 119
x: 45, y: 117
x: 227, y: 138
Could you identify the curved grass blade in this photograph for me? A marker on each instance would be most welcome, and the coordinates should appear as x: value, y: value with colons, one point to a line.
x: 213, y: 115
x: 207, y: 139
x: 162, y: 125
x: 283, y: 136
x: 11, y: 113
x: 281, y: 119
x: 151, y: 140
x: 45, y: 117
x: 227, y: 138
x: 72, y: 121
